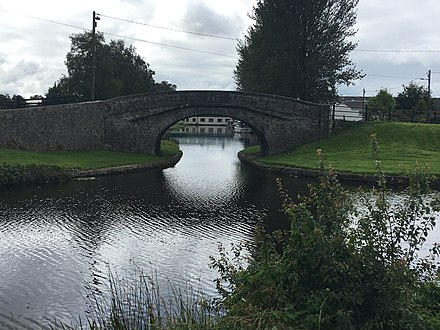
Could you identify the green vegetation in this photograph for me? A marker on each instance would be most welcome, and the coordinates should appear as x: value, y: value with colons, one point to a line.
x: 119, y: 70
x: 22, y: 167
x: 330, y: 271
x: 402, y: 145
x: 84, y: 160
x: 13, y: 175
x: 341, y: 265
x: 138, y: 303
x: 298, y: 49
x: 381, y: 105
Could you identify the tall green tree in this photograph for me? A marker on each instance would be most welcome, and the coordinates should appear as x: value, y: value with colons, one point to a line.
x: 413, y: 103
x: 298, y: 48
x: 411, y: 95
x: 381, y: 105
x: 119, y: 70
x: 7, y: 101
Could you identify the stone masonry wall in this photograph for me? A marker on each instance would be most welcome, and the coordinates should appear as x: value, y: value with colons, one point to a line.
x: 137, y: 122
x: 59, y: 127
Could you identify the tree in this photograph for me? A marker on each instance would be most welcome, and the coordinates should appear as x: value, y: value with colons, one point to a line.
x: 413, y: 101
x: 298, y: 48
x: 165, y: 86
x: 411, y: 95
x: 119, y: 70
x: 6, y: 101
x: 381, y: 105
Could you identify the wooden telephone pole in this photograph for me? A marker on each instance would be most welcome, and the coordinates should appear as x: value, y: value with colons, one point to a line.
x: 95, y: 18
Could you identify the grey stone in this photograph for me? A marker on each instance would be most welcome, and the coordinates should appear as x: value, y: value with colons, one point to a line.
x: 137, y: 123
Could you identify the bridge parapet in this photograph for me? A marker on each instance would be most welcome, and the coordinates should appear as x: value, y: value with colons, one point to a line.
x: 137, y: 122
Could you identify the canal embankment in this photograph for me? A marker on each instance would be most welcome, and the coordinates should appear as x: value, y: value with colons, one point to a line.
x: 19, y: 167
x: 402, y: 149
x: 123, y: 169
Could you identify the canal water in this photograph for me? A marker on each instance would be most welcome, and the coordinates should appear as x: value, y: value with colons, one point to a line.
x: 55, y: 240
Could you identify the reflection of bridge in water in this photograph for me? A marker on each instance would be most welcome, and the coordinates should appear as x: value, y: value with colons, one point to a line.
x: 138, y: 122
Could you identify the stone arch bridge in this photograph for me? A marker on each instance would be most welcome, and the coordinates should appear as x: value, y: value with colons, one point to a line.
x: 137, y: 122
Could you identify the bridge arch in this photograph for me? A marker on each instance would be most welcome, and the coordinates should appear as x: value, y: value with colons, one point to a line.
x: 137, y: 123
x: 216, y: 112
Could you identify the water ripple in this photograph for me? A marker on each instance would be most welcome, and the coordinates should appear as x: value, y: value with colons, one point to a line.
x: 58, y: 241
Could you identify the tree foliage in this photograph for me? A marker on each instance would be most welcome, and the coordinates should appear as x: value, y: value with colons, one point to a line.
x: 298, y: 48
x: 381, y: 105
x: 339, y: 266
x: 119, y: 70
x: 7, y: 101
x: 411, y: 96
x: 413, y: 103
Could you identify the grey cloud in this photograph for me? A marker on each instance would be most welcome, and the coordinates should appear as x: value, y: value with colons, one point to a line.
x: 20, y: 71
x: 201, y: 18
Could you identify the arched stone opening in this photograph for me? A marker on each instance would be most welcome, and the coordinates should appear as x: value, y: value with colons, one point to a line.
x: 137, y: 122
x: 264, y: 146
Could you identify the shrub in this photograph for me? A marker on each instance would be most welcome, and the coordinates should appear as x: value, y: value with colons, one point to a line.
x: 14, y: 175
x: 339, y: 266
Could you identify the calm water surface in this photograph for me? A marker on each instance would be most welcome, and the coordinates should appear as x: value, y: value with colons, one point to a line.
x: 57, y: 239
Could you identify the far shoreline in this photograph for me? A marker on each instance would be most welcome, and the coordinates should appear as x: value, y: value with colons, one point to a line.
x: 123, y: 169
x: 251, y: 160
x: 20, y: 175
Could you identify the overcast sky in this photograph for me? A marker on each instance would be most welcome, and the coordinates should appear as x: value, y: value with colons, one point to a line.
x: 33, y: 49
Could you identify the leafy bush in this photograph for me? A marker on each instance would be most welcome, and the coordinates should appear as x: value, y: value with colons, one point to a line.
x: 339, y: 266
x: 13, y: 175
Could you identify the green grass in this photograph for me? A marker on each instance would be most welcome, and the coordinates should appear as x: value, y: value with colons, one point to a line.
x: 401, y: 145
x: 84, y: 160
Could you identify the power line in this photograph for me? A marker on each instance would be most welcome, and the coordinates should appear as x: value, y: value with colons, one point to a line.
x: 397, y: 77
x: 410, y: 81
x: 45, y: 20
x: 119, y: 36
x: 167, y: 45
x: 195, y: 33
x: 170, y: 29
x: 395, y: 51
x: 386, y: 76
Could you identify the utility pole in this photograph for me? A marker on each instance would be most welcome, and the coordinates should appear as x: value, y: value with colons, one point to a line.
x: 95, y: 18
x: 363, y: 103
x: 363, y: 99
x: 429, y: 88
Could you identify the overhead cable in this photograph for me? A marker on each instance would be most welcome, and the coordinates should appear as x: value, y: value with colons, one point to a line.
x: 170, y: 29
x: 167, y: 45
x: 395, y: 51
x: 123, y: 37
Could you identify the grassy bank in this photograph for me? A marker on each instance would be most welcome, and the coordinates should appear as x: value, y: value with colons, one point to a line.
x: 24, y: 167
x: 84, y: 160
x: 401, y: 146
x: 325, y: 272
